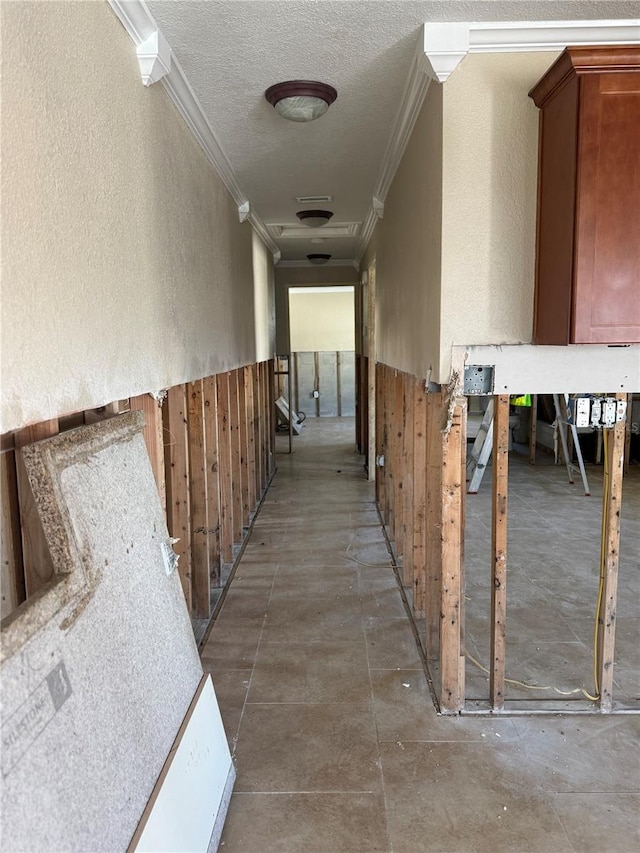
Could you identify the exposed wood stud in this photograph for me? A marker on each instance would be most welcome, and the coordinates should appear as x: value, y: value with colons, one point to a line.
x: 174, y: 413
x: 38, y: 565
x: 236, y: 466
x: 12, y: 578
x: 244, y: 447
x: 224, y: 468
x: 408, y: 521
x: 198, y: 501
x: 533, y: 429
x: 398, y: 464
x: 419, y: 496
x: 612, y: 507
x: 500, y: 469
x: 433, y: 567
x: 213, y: 475
x: 251, y: 436
x: 451, y: 652
x: 153, y: 438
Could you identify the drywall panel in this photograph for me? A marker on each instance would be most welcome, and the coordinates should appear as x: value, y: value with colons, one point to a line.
x: 408, y: 250
x: 587, y: 368
x: 124, y: 265
x: 99, y: 670
x: 322, y: 321
x: 301, y: 277
x: 489, y: 179
x: 188, y: 807
x: 263, y: 300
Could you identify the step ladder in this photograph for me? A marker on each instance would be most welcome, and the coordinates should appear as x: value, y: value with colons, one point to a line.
x: 562, y: 424
x: 481, y: 451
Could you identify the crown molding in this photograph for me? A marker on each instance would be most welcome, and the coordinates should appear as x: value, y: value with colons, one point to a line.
x: 345, y: 262
x: 143, y: 30
x: 413, y: 95
x: 445, y: 45
x: 440, y: 49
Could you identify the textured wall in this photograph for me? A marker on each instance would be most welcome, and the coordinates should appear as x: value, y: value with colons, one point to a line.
x: 489, y: 200
x: 124, y: 266
x: 321, y: 321
x: 263, y: 300
x: 407, y: 246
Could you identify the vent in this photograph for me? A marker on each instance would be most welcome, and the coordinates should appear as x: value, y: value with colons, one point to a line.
x: 313, y: 199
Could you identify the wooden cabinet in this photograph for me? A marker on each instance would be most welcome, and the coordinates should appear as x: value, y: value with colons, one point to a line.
x: 588, y: 236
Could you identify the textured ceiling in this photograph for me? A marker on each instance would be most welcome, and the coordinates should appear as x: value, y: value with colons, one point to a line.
x: 232, y: 50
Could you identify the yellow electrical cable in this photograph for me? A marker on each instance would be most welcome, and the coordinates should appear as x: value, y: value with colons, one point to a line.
x: 535, y: 686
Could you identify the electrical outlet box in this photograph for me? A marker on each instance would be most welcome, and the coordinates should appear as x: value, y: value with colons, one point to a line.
x: 316, y: 394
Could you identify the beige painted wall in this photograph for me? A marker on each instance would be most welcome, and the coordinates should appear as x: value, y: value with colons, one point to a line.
x: 407, y: 251
x: 263, y: 300
x: 286, y: 277
x: 322, y: 322
x: 124, y: 266
x: 489, y: 200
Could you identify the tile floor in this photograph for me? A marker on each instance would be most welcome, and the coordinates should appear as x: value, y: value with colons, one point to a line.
x: 327, y: 708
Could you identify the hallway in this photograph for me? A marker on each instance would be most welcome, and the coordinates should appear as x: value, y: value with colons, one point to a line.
x: 327, y: 708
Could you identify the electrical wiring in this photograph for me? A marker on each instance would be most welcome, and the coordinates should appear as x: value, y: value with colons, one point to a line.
x: 535, y: 686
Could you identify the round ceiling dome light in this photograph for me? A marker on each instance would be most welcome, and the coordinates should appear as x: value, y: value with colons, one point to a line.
x: 314, y: 218
x: 318, y: 259
x: 301, y: 100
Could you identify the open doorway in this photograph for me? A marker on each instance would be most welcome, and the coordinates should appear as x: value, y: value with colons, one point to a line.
x: 322, y: 335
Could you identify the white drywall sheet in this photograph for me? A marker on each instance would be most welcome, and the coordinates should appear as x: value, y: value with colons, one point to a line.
x: 192, y: 795
x: 100, y: 668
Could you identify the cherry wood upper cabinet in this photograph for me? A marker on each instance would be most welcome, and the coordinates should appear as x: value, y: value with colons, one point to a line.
x: 588, y: 236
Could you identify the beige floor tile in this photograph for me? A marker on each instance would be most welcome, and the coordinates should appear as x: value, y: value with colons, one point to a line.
x: 323, y: 671
x: 231, y: 647
x: 325, y: 747
x: 305, y: 823
x: 583, y: 754
x: 310, y: 618
x: 391, y: 644
x: 596, y: 823
x: 405, y: 712
x: 458, y: 797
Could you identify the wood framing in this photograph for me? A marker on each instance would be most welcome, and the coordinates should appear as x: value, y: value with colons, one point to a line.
x: 419, y: 533
x: 199, y: 508
x: 251, y: 435
x: 612, y: 504
x: 236, y: 455
x: 433, y: 567
x: 38, y: 566
x: 452, y: 590
x: 500, y: 470
x: 153, y: 438
x: 12, y: 578
x: 224, y: 468
x: 174, y: 414
x: 408, y: 521
x: 213, y: 475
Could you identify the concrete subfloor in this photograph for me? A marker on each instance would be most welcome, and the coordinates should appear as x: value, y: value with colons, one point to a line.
x: 327, y: 708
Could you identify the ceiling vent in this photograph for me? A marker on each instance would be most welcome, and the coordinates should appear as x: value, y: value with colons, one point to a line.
x: 313, y: 199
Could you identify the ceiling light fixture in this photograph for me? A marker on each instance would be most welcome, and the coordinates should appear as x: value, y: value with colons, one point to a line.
x: 301, y: 100
x: 314, y: 218
x: 318, y: 259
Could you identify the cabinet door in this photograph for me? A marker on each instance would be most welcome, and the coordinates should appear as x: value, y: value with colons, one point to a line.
x: 606, y: 296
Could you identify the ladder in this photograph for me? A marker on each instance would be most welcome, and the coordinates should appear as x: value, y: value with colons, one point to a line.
x: 481, y: 451
x: 562, y: 423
